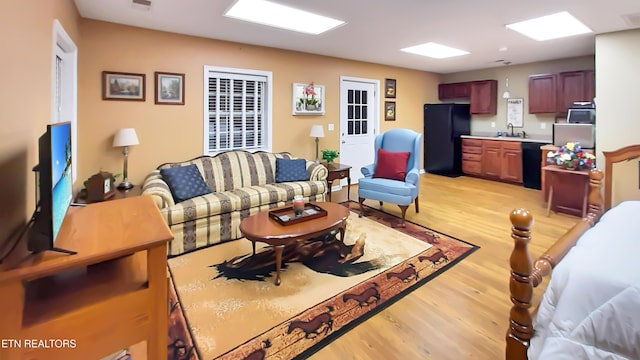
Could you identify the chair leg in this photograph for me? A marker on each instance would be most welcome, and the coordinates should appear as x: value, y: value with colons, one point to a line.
x: 416, y: 202
x: 360, y: 200
x: 403, y: 209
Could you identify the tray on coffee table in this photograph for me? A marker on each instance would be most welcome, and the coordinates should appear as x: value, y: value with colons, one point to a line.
x: 286, y: 215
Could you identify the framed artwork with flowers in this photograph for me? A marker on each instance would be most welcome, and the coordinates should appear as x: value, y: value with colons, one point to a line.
x: 308, y: 99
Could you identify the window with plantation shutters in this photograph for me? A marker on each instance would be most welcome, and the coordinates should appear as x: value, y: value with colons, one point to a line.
x: 237, y: 110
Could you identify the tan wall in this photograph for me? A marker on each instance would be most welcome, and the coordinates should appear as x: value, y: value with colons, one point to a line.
x: 173, y: 133
x: 27, y: 27
x: 618, y: 105
x: 518, y: 75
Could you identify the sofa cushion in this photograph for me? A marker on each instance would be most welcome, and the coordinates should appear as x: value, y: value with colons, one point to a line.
x: 291, y: 170
x: 185, y: 182
x: 391, y: 165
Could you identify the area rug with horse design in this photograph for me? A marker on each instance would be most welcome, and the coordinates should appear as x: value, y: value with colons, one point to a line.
x: 224, y: 303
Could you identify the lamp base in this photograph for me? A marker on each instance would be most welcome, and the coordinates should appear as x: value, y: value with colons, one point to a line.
x: 125, y: 185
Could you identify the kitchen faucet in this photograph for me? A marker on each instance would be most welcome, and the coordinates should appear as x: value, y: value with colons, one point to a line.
x: 510, y: 125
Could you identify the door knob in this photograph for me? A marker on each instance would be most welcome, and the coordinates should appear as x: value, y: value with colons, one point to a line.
x: 343, y: 141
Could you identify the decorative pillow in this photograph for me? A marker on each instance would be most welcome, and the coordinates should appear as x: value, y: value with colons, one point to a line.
x: 185, y: 182
x: 291, y: 170
x: 391, y: 165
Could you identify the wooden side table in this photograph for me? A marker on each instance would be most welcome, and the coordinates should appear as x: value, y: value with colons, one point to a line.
x: 110, y: 295
x: 119, y: 194
x: 568, y: 190
x: 337, y: 172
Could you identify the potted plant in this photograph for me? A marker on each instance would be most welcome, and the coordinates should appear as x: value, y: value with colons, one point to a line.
x: 329, y: 155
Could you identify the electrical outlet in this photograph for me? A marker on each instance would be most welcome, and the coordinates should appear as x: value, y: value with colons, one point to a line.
x: 493, y: 124
x: 543, y: 125
x: 330, y: 127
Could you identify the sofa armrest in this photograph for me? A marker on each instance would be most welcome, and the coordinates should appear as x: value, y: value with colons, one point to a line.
x: 367, y: 170
x: 158, y: 189
x: 413, y: 176
x: 317, y: 172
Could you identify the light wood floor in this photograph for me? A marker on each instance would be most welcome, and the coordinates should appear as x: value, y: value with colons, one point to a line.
x: 463, y: 313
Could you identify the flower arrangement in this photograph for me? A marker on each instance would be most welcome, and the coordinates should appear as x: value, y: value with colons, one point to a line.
x: 329, y: 155
x: 310, y: 101
x: 571, y: 156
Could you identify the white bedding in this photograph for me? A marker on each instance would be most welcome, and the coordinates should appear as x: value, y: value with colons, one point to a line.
x: 591, y: 308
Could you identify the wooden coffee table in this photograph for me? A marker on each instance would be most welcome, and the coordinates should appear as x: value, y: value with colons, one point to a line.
x: 261, y: 227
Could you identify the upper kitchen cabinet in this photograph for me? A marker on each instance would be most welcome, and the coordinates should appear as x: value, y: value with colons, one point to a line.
x: 574, y: 86
x: 542, y: 94
x: 454, y: 91
x: 484, y: 97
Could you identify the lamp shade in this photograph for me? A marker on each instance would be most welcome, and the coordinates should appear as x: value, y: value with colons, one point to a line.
x: 317, y: 131
x: 125, y: 137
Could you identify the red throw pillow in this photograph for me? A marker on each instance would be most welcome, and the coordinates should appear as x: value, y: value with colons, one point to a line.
x: 391, y: 165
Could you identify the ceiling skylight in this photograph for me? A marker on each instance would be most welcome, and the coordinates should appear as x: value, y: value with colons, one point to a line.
x: 550, y: 27
x: 434, y: 50
x: 272, y: 14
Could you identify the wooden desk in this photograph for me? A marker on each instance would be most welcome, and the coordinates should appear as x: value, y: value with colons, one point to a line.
x: 337, y: 172
x: 110, y: 295
x: 568, y: 190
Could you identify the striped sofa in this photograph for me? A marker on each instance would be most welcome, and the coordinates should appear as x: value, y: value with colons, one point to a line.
x: 242, y: 184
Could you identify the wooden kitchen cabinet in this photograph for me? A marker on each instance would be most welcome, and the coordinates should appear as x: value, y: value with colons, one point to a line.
x: 472, y: 157
x: 499, y: 160
x: 511, y: 162
x: 574, y: 86
x: 454, y: 91
x: 484, y: 97
x: 491, y: 159
x: 542, y: 94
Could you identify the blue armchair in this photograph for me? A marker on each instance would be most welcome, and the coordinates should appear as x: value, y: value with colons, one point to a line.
x: 393, y: 182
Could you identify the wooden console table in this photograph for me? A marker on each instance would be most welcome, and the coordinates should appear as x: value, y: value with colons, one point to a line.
x: 568, y: 190
x: 110, y: 295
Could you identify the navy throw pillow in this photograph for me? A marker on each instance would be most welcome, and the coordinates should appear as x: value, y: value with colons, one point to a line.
x: 185, y: 182
x: 291, y: 170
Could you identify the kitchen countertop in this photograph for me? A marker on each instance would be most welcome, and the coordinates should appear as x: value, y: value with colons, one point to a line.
x: 530, y: 138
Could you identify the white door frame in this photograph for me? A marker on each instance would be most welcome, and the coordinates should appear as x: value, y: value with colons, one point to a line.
x: 375, y: 114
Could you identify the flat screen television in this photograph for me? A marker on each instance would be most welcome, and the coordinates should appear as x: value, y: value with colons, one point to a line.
x: 54, y: 186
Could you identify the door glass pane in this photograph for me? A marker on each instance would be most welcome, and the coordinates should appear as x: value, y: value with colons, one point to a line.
x: 350, y: 96
x: 358, y: 127
x: 357, y: 112
x: 349, y: 111
x: 364, y: 126
x: 364, y: 96
x: 357, y: 99
x: 364, y: 112
x: 350, y: 127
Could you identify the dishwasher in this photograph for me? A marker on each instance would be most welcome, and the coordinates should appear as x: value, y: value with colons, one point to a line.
x: 531, y: 161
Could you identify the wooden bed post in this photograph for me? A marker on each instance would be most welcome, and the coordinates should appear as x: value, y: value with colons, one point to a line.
x: 520, y: 321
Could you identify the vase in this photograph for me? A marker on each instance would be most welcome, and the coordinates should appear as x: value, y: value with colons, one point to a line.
x: 311, y: 107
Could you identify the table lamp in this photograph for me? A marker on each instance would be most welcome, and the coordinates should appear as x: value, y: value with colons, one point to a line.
x: 125, y: 138
x: 317, y: 131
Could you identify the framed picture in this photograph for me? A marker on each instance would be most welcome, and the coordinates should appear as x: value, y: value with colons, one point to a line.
x: 389, y: 111
x: 123, y: 86
x: 390, y: 88
x: 515, y: 112
x: 169, y: 88
x: 308, y: 99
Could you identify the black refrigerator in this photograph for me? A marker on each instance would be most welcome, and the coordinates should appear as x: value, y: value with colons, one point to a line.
x: 443, y: 125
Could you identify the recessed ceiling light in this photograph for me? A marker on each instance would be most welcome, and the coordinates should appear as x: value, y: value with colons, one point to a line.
x: 434, y: 50
x: 285, y: 17
x: 549, y: 27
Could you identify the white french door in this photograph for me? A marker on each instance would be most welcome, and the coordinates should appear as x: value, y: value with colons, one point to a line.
x: 359, y: 122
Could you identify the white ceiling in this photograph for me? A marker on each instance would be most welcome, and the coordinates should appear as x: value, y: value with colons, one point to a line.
x: 375, y: 30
